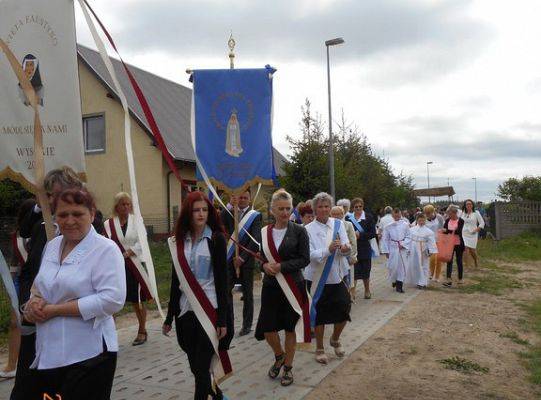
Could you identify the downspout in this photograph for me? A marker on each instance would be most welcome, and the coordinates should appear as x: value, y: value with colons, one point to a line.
x: 169, y: 202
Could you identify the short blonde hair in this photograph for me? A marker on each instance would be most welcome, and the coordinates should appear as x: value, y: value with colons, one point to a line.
x: 339, y: 209
x: 429, y: 209
x: 281, y: 194
x: 118, y: 198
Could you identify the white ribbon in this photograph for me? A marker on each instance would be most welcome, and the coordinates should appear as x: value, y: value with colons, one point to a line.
x: 141, y: 231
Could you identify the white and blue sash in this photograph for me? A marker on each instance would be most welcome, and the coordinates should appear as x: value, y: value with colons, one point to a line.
x: 244, y: 226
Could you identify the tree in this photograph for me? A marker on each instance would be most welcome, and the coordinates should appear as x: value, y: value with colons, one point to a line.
x: 358, y: 171
x: 527, y: 188
x: 12, y: 195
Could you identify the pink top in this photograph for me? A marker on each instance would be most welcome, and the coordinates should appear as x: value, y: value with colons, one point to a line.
x: 453, y: 226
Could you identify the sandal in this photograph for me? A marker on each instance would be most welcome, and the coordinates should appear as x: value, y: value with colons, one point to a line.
x: 338, y: 350
x: 368, y: 296
x: 140, y: 339
x: 321, y: 357
x: 274, y: 371
x: 287, y: 376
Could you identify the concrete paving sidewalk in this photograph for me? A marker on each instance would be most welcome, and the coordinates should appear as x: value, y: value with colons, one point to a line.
x: 159, y: 370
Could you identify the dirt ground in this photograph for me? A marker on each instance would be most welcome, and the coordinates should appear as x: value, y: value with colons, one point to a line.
x: 402, y: 360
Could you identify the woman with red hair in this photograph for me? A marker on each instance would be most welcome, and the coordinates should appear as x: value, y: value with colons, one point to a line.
x: 199, y: 300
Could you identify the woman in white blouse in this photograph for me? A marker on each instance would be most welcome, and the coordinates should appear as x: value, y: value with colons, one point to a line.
x: 80, y: 285
x: 473, y: 223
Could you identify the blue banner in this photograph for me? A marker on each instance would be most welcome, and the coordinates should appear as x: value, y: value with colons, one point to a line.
x: 233, y: 127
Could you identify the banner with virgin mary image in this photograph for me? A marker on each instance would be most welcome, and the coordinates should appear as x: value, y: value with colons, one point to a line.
x: 232, y: 127
x: 41, y: 35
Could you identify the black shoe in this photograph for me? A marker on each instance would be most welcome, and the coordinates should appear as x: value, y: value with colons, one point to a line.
x: 394, y: 284
x: 274, y: 370
x: 244, y: 331
x: 399, y: 287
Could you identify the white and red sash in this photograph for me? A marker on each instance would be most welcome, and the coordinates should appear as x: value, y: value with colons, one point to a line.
x: 300, y: 304
x: 114, y: 232
x: 202, y: 308
x: 19, y: 248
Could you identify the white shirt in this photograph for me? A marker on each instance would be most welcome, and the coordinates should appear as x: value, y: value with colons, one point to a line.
x: 384, y: 221
x: 319, y: 250
x: 93, y: 274
x: 278, y: 236
x: 198, y: 257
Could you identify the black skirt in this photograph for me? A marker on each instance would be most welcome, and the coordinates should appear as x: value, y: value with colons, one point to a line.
x: 134, y: 294
x: 276, y: 313
x: 334, y: 304
x: 363, y: 268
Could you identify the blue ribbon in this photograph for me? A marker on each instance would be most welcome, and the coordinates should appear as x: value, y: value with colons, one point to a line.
x: 357, y: 225
x: 10, y: 287
x: 242, y: 233
x: 324, y: 277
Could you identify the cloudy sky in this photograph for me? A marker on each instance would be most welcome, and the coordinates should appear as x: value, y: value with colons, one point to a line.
x: 455, y: 82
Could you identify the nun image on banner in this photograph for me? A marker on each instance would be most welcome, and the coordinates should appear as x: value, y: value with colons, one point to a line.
x: 30, y: 65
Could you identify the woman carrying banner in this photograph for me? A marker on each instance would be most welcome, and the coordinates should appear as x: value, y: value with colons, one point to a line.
x: 473, y: 223
x: 454, y: 226
x: 122, y: 230
x: 81, y: 284
x: 199, y: 298
x: 284, y: 301
x: 329, y: 249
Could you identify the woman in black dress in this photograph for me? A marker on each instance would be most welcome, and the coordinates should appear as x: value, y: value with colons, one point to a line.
x: 199, y: 282
x: 287, y: 251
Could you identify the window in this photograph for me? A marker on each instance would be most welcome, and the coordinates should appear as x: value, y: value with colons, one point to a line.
x: 94, y: 134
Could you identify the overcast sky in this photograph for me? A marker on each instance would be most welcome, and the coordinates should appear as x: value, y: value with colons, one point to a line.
x: 455, y: 82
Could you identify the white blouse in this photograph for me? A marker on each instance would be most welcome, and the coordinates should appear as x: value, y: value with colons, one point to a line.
x: 319, y: 250
x: 93, y: 274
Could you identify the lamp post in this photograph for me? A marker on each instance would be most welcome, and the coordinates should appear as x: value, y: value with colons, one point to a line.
x: 329, y: 43
x: 428, y: 176
x: 475, y: 186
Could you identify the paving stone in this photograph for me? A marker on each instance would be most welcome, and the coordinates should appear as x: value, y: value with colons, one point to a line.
x: 159, y: 370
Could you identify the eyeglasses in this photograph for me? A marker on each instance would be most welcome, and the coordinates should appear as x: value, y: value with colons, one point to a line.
x: 358, y: 207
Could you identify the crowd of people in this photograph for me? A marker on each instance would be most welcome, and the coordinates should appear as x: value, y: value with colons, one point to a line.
x: 311, y: 257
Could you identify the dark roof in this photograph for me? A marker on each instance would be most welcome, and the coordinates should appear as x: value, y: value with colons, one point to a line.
x: 169, y: 101
x: 437, y: 191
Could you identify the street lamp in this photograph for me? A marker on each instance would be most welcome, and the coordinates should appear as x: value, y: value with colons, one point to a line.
x: 475, y: 185
x: 329, y: 43
x: 428, y: 176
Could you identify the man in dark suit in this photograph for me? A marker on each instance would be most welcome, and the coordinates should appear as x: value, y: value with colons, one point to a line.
x: 245, y: 262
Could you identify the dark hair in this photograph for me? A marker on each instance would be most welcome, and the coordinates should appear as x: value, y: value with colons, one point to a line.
x: 397, y: 210
x: 357, y: 200
x: 464, y: 205
x: 305, y: 209
x: 183, y: 224
x: 420, y: 215
x: 25, y: 207
x: 81, y: 197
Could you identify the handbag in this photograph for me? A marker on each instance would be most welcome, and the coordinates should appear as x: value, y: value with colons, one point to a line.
x: 446, y: 245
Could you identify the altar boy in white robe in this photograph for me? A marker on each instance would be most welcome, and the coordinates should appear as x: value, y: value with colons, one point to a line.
x: 422, y: 246
x: 395, y: 245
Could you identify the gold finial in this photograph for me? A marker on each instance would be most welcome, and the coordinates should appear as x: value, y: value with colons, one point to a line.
x: 231, y: 44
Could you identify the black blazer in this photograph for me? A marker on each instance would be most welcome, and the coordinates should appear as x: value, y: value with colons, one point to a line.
x: 457, y: 232
x: 246, y: 241
x: 294, y: 252
x: 364, y: 250
x: 217, y: 247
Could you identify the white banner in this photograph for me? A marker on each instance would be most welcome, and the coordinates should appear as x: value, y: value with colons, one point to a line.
x: 41, y: 34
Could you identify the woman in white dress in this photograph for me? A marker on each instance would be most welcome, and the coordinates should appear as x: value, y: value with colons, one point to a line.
x: 473, y: 223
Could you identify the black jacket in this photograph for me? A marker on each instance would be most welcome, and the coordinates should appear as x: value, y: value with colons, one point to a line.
x: 217, y: 247
x: 294, y: 252
x: 31, y: 228
x: 457, y: 232
x: 246, y: 241
x: 364, y: 250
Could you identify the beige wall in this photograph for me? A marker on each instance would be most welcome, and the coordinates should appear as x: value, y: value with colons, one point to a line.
x: 107, y: 173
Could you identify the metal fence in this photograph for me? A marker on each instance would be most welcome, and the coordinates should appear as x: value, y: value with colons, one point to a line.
x: 515, y: 217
